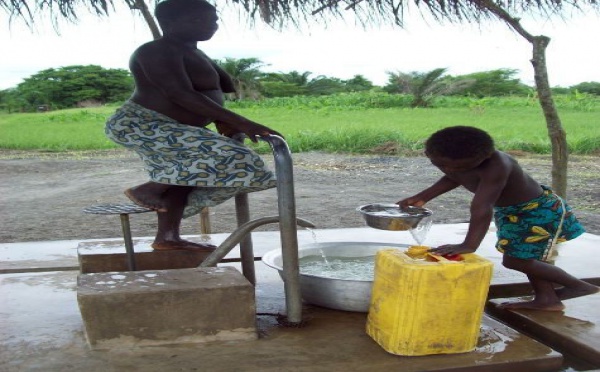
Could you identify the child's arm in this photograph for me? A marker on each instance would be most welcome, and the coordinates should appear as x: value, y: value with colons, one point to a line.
x: 443, y: 185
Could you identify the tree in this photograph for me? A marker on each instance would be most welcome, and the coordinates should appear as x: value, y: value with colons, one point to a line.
x: 298, y: 83
x: 270, y: 89
x: 285, y: 84
x: 141, y: 6
x: 556, y: 132
x: 424, y: 86
x: 492, y: 83
x: 10, y: 101
x: 294, y: 83
x: 67, y: 86
x: 324, y: 85
x: 300, y: 79
x: 589, y: 87
x: 358, y: 83
x: 68, y: 9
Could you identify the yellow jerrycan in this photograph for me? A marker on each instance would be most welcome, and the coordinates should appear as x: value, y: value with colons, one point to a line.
x: 426, y: 304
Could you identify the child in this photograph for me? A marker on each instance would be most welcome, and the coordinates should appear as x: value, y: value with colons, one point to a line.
x: 529, y: 217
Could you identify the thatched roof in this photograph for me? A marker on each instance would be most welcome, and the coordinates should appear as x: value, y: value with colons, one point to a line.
x: 279, y: 13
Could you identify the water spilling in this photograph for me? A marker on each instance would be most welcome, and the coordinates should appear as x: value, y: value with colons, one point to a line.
x: 323, y: 256
x: 336, y: 267
x: 313, y: 234
x: 419, y: 233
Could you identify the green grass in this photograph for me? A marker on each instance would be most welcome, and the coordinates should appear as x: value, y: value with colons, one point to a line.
x: 517, y: 124
x: 63, y: 130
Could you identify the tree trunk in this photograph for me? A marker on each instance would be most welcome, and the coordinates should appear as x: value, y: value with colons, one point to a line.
x: 556, y: 133
x: 143, y: 8
x: 558, y: 136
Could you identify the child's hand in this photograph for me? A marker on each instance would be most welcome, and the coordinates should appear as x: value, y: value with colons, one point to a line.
x: 451, y: 249
x: 411, y: 201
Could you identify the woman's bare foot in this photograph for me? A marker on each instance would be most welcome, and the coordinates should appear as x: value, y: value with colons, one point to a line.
x: 147, y: 200
x: 533, y: 305
x: 182, y: 245
x: 565, y: 293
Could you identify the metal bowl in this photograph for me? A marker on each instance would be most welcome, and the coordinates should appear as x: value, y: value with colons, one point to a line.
x: 339, y: 294
x: 385, y: 216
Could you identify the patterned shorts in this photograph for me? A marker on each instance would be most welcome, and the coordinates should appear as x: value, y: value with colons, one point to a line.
x: 183, y: 155
x: 526, y: 230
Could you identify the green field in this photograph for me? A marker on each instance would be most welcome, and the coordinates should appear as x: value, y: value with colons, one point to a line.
x: 517, y: 124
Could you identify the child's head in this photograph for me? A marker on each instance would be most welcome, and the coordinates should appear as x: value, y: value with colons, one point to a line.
x: 460, y: 145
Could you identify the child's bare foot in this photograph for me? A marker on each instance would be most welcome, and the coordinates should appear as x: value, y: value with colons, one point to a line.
x: 182, y: 245
x: 146, y: 200
x: 584, y: 290
x: 533, y: 305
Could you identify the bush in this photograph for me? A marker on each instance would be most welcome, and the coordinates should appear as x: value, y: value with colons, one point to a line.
x: 65, y: 87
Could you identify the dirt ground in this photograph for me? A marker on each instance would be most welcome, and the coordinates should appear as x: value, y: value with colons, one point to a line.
x: 43, y: 194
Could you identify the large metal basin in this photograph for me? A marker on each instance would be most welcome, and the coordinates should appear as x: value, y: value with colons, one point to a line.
x: 339, y: 294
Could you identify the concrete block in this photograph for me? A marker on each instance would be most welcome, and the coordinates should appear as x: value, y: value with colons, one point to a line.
x: 145, y: 308
x: 108, y: 256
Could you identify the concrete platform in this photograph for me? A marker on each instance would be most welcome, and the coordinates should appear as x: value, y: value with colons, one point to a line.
x: 42, y: 329
x: 575, y: 330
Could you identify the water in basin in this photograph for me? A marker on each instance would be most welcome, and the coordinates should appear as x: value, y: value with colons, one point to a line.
x: 347, y: 293
x: 345, y: 268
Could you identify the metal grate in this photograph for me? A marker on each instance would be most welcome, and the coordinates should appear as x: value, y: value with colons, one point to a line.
x: 124, y: 210
x: 116, y: 209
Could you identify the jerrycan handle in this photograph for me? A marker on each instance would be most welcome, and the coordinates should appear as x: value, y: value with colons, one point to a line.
x: 439, y: 258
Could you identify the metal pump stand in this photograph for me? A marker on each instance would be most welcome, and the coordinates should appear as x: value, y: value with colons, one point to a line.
x: 287, y: 226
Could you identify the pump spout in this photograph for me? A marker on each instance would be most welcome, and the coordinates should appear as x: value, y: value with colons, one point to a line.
x: 232, y: 240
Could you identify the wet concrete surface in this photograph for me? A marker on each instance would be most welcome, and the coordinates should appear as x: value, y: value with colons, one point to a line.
x: 43, y: 331
x: 575, y: 330
x: 42, y: 328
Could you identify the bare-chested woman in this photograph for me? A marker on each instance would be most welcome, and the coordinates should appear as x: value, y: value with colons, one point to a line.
x: 528, y: 215
x: 179, y: 91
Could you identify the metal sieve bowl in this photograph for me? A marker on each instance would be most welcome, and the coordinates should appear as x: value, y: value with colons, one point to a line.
x: 385, y: 216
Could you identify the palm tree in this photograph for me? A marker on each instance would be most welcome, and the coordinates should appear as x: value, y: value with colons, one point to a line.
x: 300, y: 79
x: 424, y: 86
x: 280, y: 13
x: 358, y: 83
